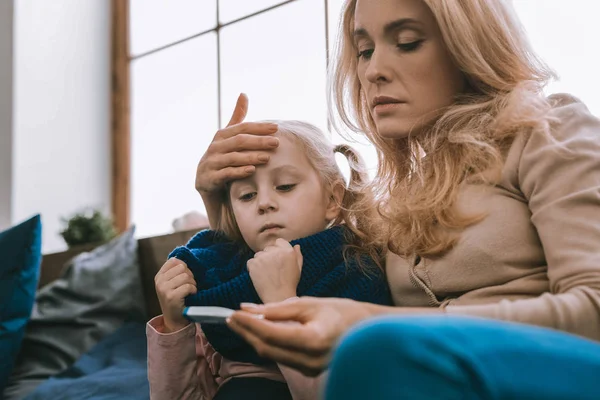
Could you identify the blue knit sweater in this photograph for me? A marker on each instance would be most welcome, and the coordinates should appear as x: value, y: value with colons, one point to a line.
x: 219, y: 267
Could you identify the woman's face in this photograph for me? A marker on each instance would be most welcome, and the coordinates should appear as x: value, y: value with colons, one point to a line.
x: 404, y: 68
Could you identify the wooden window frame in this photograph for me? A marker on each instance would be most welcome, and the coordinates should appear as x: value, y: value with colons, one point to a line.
x: 121, y: 98
x: 120, y: 116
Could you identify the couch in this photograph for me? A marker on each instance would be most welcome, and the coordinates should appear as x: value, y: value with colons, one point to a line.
x: 152, y: 253
x: 82, y: 342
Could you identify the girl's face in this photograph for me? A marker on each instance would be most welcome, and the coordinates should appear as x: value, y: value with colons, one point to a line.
x: 284, y: 198
x: 404, y: 68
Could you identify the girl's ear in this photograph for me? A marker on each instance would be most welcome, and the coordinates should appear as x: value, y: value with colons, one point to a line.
x: 335, y: 202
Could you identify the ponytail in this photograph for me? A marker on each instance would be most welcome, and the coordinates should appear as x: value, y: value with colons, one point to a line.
x: 357, y: 210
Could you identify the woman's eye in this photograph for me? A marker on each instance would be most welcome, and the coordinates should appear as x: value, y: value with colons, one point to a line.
x: 410, y: 46
x: 365, y: 54
x: 247, y: 196
x: 286, y: 188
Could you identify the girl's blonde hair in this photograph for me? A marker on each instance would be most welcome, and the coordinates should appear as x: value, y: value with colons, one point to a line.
x: 419, y: 176
x: 320, y: 153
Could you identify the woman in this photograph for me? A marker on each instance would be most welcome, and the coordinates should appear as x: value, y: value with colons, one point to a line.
x: 491, y: 211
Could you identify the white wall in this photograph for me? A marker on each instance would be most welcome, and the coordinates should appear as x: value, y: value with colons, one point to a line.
x: 6, y: 74
x: 61, y: 159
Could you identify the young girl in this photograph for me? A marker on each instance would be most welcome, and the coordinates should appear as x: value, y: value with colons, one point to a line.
x: 299, y: 196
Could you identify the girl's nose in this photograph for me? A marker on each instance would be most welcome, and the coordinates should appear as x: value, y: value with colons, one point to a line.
x: 266, y: 203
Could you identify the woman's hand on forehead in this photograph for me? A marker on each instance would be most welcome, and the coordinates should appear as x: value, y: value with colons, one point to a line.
x: 235, y: 150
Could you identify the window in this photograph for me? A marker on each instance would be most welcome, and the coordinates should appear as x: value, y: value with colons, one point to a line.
x: 189, y: 62
x: 174, y: 114
x: 190, y: 59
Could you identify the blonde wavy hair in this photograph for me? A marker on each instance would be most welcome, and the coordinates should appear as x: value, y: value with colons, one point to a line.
x: 419, y: 177
x: 357, y: 206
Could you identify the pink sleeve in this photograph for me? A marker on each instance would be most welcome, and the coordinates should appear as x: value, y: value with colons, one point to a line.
x: 302, y: 387
x: 180, y: 364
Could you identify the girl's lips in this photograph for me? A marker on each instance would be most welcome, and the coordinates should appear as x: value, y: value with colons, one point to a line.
x: 270, y: 228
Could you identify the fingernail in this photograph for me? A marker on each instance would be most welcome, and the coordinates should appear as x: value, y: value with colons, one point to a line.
x: 228, y: 320
x: 273, y: 142
x: 259, y: 316
x: 249, y: 170
x: 272, y: 127
x: 263, y: 157
x: 249, y: 305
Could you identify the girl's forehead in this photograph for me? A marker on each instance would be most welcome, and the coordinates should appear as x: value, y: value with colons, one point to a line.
x: 290, y: 152
x: 288, y: 144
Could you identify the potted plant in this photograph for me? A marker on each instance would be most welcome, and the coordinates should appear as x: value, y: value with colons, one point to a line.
x: 87, y: 227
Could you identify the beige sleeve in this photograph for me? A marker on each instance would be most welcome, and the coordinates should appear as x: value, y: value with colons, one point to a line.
x: 560, y: 177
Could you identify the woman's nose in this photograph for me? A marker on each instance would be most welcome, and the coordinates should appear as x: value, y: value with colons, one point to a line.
x: 378, y: 68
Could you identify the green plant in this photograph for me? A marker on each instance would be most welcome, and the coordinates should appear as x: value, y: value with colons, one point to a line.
x: 86, y: 227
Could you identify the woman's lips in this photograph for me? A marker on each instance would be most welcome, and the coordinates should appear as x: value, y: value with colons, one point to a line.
x: 386, y: 108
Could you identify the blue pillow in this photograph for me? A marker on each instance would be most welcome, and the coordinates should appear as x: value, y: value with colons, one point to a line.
x: 20, y: 258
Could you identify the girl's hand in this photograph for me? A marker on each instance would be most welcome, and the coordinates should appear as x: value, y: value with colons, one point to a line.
x: 173, y: 283
x: 275, y: 271
x: 306, y: 345
x: 233, y: 154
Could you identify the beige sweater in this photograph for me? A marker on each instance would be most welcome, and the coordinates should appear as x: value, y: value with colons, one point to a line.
x: 535, y: 258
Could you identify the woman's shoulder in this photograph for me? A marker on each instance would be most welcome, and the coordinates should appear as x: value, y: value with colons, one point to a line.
x: 569, y: 117
x: 558, y: 100
x: 566, y: 107
x: 570, y: 127
x: 569, y: 144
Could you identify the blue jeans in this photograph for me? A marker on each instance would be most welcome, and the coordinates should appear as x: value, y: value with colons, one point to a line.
x: 447, y: 357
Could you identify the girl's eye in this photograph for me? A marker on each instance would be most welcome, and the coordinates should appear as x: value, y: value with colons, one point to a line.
x: 247, y: 196
x: 411, y: 46
x: 286, y: 188
x: 365, y: 54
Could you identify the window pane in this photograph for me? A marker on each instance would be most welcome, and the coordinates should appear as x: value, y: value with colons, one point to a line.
x: 278, y: 59
x: 567, y: 39
x: 174, y: 117
x: 230, y: 10
x: 155, y: 23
